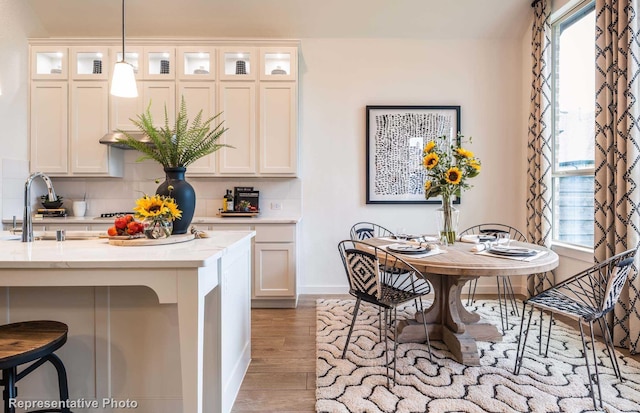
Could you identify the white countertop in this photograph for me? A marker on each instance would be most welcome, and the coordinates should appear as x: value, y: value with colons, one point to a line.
x: 196, y: 220
x: 98, y: 253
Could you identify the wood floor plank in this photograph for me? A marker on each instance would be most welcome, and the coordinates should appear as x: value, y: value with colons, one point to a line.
x: 275, y: 401
x: 277, y: 381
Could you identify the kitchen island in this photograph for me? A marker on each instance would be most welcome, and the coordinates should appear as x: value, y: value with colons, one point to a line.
x: 202, y: 297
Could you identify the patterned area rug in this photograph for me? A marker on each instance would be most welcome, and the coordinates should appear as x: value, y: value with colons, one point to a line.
x: 555, y: 384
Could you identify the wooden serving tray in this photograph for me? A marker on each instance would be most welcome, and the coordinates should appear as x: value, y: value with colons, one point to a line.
x: 136, y: 242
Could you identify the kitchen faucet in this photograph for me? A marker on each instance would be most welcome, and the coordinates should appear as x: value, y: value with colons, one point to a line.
x: 27, y: 223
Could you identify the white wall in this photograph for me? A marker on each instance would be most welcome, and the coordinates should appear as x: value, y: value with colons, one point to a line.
x: 17, y: 22
x: 339, y: 78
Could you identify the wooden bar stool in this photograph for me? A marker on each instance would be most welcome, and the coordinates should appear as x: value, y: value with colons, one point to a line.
x: 26, y: 342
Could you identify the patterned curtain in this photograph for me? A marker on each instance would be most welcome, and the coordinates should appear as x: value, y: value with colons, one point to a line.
x: 539, y: 153
x: 617, y: 152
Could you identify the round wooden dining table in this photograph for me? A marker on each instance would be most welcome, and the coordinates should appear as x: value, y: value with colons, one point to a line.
x: 447, y: 318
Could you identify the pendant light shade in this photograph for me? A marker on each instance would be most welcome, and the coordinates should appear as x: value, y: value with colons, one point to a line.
x: 123, y: 82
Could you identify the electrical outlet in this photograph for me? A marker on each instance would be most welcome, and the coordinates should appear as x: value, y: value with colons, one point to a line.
x: 276, y: 206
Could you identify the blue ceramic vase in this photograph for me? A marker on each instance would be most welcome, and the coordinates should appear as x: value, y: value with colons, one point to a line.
x: 183, y: 193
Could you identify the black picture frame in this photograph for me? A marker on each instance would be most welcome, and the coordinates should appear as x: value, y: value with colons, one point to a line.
x: 395, y: 137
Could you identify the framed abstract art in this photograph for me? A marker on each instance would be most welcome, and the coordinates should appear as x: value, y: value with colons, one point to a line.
x: 396, y: 136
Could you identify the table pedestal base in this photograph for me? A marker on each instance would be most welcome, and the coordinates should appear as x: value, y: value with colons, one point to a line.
x: 448, y: 321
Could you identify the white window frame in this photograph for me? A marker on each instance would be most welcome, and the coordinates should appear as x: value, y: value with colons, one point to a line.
x: 564, y: 249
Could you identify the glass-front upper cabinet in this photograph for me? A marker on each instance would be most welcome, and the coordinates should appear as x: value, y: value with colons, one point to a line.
x: 89, y: 62
x: 279, y: 63
x: 160, y: 63
x: 49, y: 62
x: 238, y: 63
x: 196, y: 63
x: 133, y: 56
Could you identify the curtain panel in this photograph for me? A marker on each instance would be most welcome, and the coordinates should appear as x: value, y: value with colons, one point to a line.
x: 539, y: 149
x: 617, y: 153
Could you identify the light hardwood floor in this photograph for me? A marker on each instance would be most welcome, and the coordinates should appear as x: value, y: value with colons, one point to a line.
x: 282, y: 374
x: 281, y: 377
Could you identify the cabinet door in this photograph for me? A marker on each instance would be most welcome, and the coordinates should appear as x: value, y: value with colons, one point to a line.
x: 90, y: 63
x: 49, y: 62
x: 48, y: 127
x: 196, y: 63
x: 200, y: 96
x: 89, y: 121
x: 124, y: 109
x: 160, y: 95
x: 160, y: 63
x: 278, y: 128
x: 274, y: 270
x: 238, y: 63
x: 238, y: 107
x: 278, y: 63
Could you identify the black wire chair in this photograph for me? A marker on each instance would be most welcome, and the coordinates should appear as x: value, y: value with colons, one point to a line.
x: 385, y: 280
x: 586, y: 297
x: 506, y: 295
x: 365, y: 230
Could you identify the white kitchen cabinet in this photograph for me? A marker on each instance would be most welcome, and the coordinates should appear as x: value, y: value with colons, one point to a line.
x: 157, y: 93
x: 278, y: 128
x: 89, y: 121
x: 274, y: 267
x: 274, y: 272
x: 253, y: 84
x: 238, y: 63
x: 159, y: 63
x: 150, y: 62
x: 279, y: 63
x: 49, y: 62
x: 65, y: 131
x: 196, y: 63
x: 90, y: 63
x: 48, y: 127
x: 200, y: 96
x: 238, y: 107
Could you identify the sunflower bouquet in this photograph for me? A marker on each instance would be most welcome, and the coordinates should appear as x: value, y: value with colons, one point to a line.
x: 448, y: 167
x: 157, y: 213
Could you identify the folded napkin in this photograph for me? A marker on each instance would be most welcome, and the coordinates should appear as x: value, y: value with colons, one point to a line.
x: 471, y: 238
x: 481, y: 247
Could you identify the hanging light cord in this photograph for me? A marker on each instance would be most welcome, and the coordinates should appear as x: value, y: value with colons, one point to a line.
x: 123, y: 55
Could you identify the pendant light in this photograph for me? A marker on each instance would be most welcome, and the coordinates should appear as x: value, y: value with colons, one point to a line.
x: 123, y: 83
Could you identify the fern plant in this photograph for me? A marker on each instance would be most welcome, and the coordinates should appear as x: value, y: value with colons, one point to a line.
x: 180, y: 145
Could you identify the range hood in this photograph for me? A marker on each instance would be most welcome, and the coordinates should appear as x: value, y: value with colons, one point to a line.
x: 112, y: 139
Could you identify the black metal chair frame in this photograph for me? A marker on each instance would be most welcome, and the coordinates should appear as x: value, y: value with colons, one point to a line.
x: 506, y: 294
x: 365, y: 230
x: 586, y: 297
x: 386, y: 281
x: 38, y: 356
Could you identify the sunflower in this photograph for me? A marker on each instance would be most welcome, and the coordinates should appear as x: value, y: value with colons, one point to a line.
x: 464, y: 153
x: 427, y: 186
x: 431, y: 160
x: 453, y: 176
x: 475, y: 164
x: 157, y: 206
x: 429, y: 147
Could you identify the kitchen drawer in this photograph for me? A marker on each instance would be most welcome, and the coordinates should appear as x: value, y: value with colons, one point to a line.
x: 231, y: 227
x: 275, y: 233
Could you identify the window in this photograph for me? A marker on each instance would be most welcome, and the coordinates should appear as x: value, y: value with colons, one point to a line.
x: 573, y: 103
